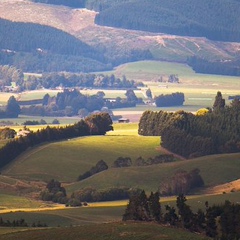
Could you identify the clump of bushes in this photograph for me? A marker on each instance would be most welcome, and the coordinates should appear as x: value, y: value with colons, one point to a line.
x: 182, y: 182
x: 99, y: 167
x: 110, y: 194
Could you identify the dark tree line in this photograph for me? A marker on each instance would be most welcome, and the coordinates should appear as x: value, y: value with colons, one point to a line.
x: 40, y: 62
x: 90, y: 194
x: 83, y: 80
x: 189, y: 135
x: 217, y: 221
x: 20, y: 223
x: 140, y: 161
x: 174, y: 99
x: 72, y: 102
x: 97, y: 124
x: 227, y: 67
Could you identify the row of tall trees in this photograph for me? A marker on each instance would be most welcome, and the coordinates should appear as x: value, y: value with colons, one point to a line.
x: 96, y: 124
x: 82, y: 80
x: 90, y: 194
x: 189, y: 135
x: 217, y: 221
x: 72, y: 102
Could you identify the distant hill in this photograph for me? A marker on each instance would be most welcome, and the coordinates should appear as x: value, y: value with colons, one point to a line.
x: 112, y: 46
x: 33, y: 47
x: 215, y: 19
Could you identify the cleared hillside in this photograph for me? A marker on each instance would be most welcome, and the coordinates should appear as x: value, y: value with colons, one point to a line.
x: 118, y: 45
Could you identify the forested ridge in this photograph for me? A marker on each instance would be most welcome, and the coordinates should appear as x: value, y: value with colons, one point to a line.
x: 216, y: 20
x: 34, y: 47
x: 189, y: 135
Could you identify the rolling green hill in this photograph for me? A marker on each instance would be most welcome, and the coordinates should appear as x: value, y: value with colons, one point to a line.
x: 215, y: 170
x: 66, y: 160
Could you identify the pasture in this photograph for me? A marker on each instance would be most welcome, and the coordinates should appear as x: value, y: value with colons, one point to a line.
x: 199, y: 89
x: 215, y: 170
x: 66, y: 160
x: 116, y: 231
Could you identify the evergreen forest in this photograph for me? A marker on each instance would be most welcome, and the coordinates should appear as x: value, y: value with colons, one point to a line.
x: 189, y: 135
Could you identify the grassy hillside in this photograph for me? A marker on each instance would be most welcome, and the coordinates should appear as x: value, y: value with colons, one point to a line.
x: 66, y: 160
x: 213, y: 169
x: 116, y: 231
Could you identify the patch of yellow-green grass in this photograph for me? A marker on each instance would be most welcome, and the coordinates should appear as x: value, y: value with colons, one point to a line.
x: 13, y: 201
x: 116, y: 231
x: 36, y: 94
x: 124, y: 129
x: 66, y: 160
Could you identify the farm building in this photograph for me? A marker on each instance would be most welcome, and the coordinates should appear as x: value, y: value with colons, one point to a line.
x: 123, y: 120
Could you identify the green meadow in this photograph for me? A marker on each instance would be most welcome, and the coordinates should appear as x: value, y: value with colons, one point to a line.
x: 66, y: 160
x: 215, y: 170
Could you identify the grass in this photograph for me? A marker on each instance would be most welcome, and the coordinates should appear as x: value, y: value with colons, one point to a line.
x: 215, y: 170
x: 66, y: 160
x: 199, y: 89
x: 105, y: 212
x: 116, y: 231
x: 13, y: 201
x: 37, y: 94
